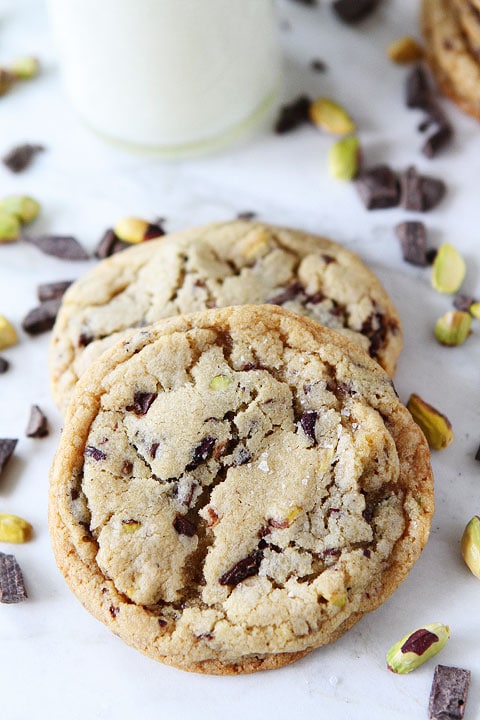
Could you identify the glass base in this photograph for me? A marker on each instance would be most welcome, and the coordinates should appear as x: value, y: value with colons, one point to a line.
x: 261, y: 118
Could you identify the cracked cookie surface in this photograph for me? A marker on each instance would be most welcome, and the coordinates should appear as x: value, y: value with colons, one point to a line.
x: 452, y: 35
x: 236, y: 487
x: 219, y: 265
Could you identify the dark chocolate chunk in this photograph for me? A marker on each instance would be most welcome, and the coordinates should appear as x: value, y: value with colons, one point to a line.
x: 463, y: 302
x: 21, y: 156
x: 477, y: 455
x: 184, y: 526
x: 293, y: 115
x: 306, y: 2
x: 107, y: 244
x: 38, y: 424
x: 65, y: 247
x: 290, y: 292
x: 246, y: 215
x: 154, y: 230
x: 243, y: 569
x: 41, y: 318
x: 318, y: 65
x: 378, y: 187
x: 448, y: 696
x: 352, y: 11
x: 53, y: 290
x: 437, y: 140
x: 95, y: 453
x: 7, y: 446
x: 307, y: 421
x: 142, y: 402
x: 153, y: 449
x: 418, y: 90
x: 413, y: 241
x: 4, y: 365
x: 113, y: 610
x: 431, y: 254
x: 420, y: 192
x: 419, y: 642
x: 127, y: 468
x: 375, y: 328
x: 202, y: 452
x: 84, y: 339
x: 12, y: 587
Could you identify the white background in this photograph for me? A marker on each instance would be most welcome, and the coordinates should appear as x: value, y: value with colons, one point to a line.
x: 55, y: 660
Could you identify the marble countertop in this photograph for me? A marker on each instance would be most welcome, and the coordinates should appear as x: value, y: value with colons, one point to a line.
x: 56, y: 660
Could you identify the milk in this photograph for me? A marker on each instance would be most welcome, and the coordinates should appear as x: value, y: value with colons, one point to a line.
x: 177, y: 75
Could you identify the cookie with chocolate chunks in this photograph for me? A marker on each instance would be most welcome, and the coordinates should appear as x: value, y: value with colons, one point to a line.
x: 218, y: 265
x: 236, y: 509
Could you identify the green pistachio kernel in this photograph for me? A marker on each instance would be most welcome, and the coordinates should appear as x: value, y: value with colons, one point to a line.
x: 417, y: 647
x: 25, y: 208
x: 453, y: 328
x: 436, y: 427
x: 343, y: 158
x: 220, y: 382
x: 475, y: 310
x: 9, y: 227
x: 470, y: 545
x: 25, y: 68
x: 448, y: 270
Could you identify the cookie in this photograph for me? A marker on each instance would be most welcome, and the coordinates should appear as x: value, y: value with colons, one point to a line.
x: 220, y: 265
x: 451, y: 31
x: 236, y: 487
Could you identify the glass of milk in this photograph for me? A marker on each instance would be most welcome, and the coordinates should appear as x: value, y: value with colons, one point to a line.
x: 177, y: 76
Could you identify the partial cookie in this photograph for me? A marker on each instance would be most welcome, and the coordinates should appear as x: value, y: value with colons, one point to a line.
x: 452, y: 52
x: 234, y: 508
x: 217, y: 266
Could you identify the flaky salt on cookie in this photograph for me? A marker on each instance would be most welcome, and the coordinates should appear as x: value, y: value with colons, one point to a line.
x: 236, y: 487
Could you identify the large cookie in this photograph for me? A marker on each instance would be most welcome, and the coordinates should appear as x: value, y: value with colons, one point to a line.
x: 216, y: 266
x: 451, y: 31
x: 236, y: 487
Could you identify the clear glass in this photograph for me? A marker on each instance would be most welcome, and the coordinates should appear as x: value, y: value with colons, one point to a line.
x: 177, y: 76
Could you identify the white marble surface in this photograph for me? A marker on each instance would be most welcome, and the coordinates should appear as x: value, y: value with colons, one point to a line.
x: 55, y: 660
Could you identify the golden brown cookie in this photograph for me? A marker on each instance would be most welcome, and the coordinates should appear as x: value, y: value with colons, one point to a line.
x: 219, y: 265
x: 236, y: 487
x: 450, y: 31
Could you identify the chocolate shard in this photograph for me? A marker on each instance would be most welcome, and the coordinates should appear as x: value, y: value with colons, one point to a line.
x: 318, y: 65
x: 307, y: 422
x: 109, y: 244
x: 448, y: 696
x: 21, y: 156
x: 41, y: 318
x: 437, y: 141
x: 477, y: 454
x: 184, y: 526
x: 246, y: 215
x: 378, y: 187
x: 53, y: 290
x: 418, y: 92
x: 202, y: 452
x: 293, y: 114
x: 12, y: 586
x: 142, y: 402
x: 420, y: 192
x: 243, y: 569
x: 413, y: 241
x: 95, y: 453
x: 352, y: 11
x: 65, y: 247
x: 38, y: 424
x: 290, y: 292
x: 7, y: 447
x: 4, y: 365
